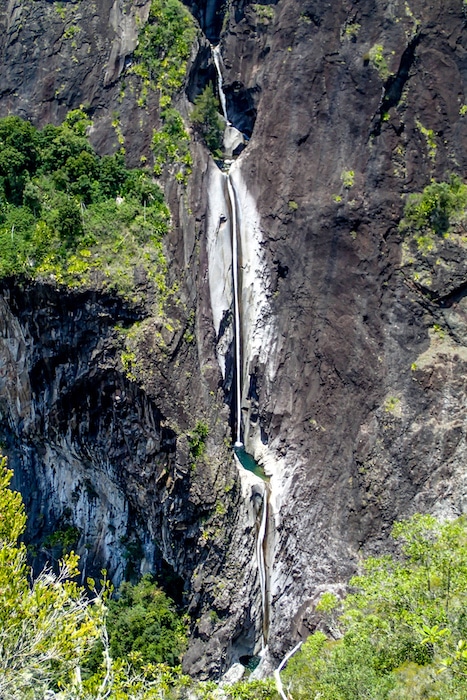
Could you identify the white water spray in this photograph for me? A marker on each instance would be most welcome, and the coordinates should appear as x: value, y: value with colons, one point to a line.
x: 260, y: 558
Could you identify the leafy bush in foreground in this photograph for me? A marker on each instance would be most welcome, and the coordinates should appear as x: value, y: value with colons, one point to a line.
x: 403, y: 626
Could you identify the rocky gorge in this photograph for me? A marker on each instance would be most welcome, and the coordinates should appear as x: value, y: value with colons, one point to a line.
x: 353, y: 332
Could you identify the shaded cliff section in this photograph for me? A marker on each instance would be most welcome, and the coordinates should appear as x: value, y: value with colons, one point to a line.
x: 108, y: 460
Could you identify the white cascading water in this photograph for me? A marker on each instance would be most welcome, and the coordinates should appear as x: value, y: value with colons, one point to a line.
x: 236, y: 300
x: 260, y: 558
x: 233, y: 202
x: 216, y: 54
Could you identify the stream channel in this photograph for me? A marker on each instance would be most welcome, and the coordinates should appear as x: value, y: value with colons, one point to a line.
x: 243, y: 458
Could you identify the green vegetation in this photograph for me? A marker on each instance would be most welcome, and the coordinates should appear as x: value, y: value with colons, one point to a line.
x: 439, y: 331
x: 164, y: 46
x: 403, y: 627
x: 171, y: 146
x: 161, y: 58
x: 378, y: 60
x: 348, y: 178
x: 144, y: 626
x: 207, y: 121
x: 65, y: 538
x: 429, y: 135
x: 60, y: 9
x: 437, y: 208
x: 197, y: 439
x: 72, y: 216
x: 391, y: 404
x: 351, y: 30
x: 264, y: 13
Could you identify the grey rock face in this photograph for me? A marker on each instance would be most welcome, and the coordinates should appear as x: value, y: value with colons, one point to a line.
x: 92, y: 450
x: 354, y: 403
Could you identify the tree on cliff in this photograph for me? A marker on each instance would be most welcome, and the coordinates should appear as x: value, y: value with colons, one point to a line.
x: 207, y: 120
x: 402, y: 629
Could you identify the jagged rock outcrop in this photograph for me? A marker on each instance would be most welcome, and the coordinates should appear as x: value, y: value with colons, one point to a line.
x: 356, y: 401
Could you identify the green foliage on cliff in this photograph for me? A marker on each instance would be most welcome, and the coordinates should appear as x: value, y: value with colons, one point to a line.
x: 70, y: 215
x: 164, y: 48
x: 207, y: 120
x: 161, y: 60
x: 437, y: 208
x: 171, y: 146
x: 197, y: 439
x: 403, y: 627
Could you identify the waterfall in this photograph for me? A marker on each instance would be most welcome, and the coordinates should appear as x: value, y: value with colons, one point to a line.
x: 236, y: 301
x: 261, y: 559
x: 216, y: 53
x: 236, y: 202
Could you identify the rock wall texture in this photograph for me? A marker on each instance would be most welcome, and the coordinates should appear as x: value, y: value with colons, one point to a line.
x: 357, y: 402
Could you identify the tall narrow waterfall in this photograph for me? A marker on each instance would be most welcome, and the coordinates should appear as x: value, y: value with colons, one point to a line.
x: 244, y: 459
x: 237, y: 327
x: 216, y: 53
x: 261, y: 559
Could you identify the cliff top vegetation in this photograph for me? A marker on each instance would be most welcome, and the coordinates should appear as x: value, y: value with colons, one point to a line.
x: 71, y: 216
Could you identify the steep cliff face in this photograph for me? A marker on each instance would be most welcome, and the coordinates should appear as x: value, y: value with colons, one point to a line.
x: 93, y: 451
x: 356, y: 106
x: 353, y: 365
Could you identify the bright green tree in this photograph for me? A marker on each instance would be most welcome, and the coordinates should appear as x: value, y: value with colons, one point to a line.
x: 47, y: 627
x: 403, y: 627
x: 144, y: 622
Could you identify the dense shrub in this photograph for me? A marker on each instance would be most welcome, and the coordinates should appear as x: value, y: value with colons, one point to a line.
x: 437, y: 207
x: 68, y: 214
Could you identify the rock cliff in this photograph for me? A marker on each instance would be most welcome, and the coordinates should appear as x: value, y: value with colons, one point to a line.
x: 353, y: 381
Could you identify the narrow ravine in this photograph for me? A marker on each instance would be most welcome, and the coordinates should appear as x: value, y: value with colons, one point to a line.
x: 243, y: 459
